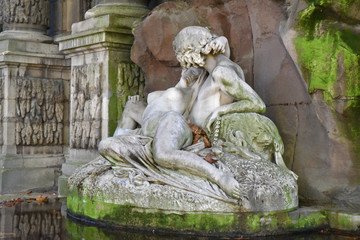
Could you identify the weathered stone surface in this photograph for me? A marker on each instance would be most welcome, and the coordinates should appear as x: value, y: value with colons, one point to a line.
x: 34, y: 221
x: 104, y: 196
x: 286, y: 116
x: 264, y: 186
x: 25, y: 20
x: 102, y: 76
x: 35, y: 105
x: 320, y: 136
x: 152, y: 49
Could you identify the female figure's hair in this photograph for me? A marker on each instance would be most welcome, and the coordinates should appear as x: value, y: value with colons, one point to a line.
x: 191, y: 45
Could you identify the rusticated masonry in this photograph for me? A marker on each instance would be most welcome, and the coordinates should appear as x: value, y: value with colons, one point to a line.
x: 40, y: 111
x: 25, y: 11
x: 86, y: 106
x: 38, y: 225
x: 1, y: 109
x: 131, y: 82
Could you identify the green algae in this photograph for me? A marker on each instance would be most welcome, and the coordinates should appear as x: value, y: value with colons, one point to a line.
x: 253, y: 221
x: 124, y: 215
x: 344, y: 221
x: 329, y: 58
x: 319, y: 60
x: 315, y: 219
x: 327, y: 53
x: 250, y: 224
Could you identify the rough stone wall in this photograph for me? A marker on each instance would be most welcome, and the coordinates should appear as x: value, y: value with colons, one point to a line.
x: 1, y: 108
x: 327, y: 166
x: 152, y: 49
x: 25, y: 11
x: 86, y: 106
x: 39, y: 111
x: 38, y: 225
x: 130, y: 82
x: 328, y: 53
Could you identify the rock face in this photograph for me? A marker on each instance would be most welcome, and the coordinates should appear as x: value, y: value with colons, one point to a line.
x: 319, y: 129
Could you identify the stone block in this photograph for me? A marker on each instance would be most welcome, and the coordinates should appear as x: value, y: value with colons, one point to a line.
x: 23, y: 179
x: 68, y: 169
x: 62, y: 186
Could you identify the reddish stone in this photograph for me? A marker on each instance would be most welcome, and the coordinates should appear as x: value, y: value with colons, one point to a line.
x: 322, y: 161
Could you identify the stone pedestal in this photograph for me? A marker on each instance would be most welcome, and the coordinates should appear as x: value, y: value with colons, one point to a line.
x: 102, y: 76
x: 34, y: 83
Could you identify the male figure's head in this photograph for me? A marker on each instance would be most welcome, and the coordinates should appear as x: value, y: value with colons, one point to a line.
x: 191, y: 46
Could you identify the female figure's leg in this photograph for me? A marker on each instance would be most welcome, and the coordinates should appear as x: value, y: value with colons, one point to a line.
x: 172, y: 134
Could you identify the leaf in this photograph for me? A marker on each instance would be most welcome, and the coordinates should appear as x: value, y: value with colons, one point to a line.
x: 41, y: 199
x: 209, y: 158
x: 207, y: 142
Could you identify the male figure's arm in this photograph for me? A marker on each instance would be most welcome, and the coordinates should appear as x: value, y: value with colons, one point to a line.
x: 231, y: 84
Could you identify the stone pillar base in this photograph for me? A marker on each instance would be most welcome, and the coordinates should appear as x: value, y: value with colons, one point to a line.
x: 34, y: 86
x: 30, y: 36
x: 102, y: 77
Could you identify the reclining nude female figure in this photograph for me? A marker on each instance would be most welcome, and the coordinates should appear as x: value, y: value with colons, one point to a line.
x: 164, y: 119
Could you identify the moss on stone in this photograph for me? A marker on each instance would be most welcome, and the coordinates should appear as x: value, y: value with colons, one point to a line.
x: 343, y: 8
x: 329, y: 57
x: 123, y: 215
x: 319, y: 61
x: 324, y: 49
x: 352, y: 126
x: 344, y: 221
x: 317, y: 219
x: 253, y: 221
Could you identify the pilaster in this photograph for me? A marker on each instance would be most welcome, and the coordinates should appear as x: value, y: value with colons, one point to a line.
x: 102, y: 76
x: 34, y: 81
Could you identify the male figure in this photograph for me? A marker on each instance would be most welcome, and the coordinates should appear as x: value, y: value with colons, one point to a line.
x: 226, y: 82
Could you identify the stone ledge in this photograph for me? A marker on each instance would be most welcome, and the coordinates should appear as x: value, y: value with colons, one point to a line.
x: 73, y: 43
x: 23, y: 179
x: 304, y: 219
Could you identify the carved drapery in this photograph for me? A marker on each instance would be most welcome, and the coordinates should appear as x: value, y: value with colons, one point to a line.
x: 86, y: 106
x: 131, y: 82
x: 25, y: 12
x: 40, y: 112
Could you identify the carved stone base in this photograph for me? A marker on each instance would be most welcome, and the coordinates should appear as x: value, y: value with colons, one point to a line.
x: 99, y: 192
x: 30, y: 36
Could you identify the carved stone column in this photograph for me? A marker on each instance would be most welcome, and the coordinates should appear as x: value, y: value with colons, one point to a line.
x: 102, y: 76
x: 34, y: 79
x: 25, y: 19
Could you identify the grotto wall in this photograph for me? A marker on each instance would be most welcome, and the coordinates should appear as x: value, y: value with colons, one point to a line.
x: 302, y: 59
